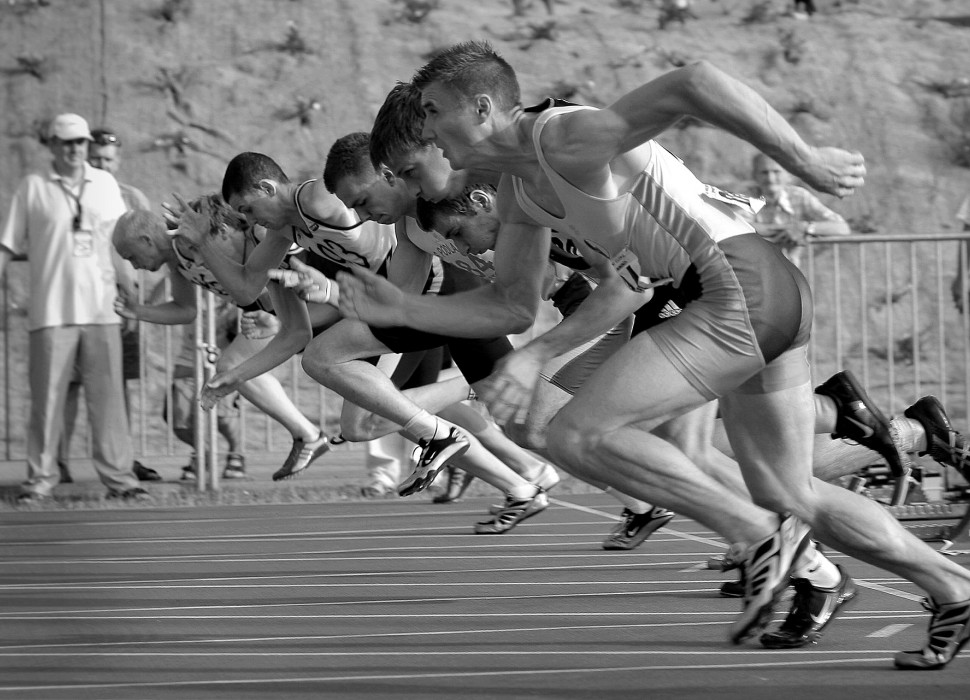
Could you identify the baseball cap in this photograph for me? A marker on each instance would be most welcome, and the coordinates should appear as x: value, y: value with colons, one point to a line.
x: 68, y: 127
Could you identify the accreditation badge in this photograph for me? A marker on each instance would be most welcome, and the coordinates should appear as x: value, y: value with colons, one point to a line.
x: 83, y: 243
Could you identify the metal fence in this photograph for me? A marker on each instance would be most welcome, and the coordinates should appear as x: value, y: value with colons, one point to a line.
x: 883, y: 308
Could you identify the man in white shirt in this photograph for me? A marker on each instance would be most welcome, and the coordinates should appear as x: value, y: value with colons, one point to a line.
x: 62, y: 221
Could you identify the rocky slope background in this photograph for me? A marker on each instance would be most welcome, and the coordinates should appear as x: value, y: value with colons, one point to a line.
x: 189, y: 83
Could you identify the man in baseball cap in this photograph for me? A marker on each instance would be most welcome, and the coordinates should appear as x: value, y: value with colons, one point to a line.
x: 69, y: 127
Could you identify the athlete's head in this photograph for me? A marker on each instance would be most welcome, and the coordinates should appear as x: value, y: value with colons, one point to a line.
x: 252, y: 185
x: 374, y: 193
x: 469, y: 219
x: 140, y: 238
x: 462, y: 88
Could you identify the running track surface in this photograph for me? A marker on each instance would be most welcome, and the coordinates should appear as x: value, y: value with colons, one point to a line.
x: 398, y: 599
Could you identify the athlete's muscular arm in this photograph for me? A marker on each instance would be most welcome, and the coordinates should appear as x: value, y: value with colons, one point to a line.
x: 293, y: 336
x: 589, y: 138
x: 508, y: 305
x: 172, y: 313
x: 511, y: 386
x: 246, y: 281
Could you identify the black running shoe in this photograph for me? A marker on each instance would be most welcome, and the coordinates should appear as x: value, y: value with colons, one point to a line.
x: 949, y: 631
x: 944, y: 444
x: 634, y: 528
x: 813, y: 608
x: 431, y: 459
x: 734, y: 589
x: 859, y: 419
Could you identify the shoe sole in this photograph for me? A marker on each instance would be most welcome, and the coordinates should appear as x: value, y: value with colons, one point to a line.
x: 641, y: 537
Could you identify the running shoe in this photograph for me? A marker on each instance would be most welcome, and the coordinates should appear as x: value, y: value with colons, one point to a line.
x: 375, y: 489
x: 458, y: 483
x: 731, y: 559
x: 431, y: 459
x: 813, y: 608
x: 235, y: 466
x: 143, y: 473
x: 734, y: 589
x: 301, y: 456
x: 944, y: 444
x: 949, y: 631
x: 515, y: 511
x: 860, y: 420
x: 767, y: 566
x: 634, y: 528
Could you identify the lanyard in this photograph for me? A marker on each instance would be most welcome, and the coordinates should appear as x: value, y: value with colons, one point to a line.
x: 77, y: 200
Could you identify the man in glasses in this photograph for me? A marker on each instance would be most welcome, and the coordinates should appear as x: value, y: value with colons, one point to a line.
x: 105, y: 152
x: 62, y: 221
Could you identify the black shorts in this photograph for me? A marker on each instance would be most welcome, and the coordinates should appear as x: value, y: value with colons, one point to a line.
x: 475, y: 357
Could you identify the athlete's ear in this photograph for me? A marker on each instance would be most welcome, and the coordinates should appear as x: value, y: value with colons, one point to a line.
x: 482, y: 199
x: 387, y: 175
x: 483, y: 106
x: 268, y: 186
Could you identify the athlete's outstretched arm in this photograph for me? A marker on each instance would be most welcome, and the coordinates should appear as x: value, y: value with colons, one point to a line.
x: 179, y: 311
x: 293, y: 336
x: 705, y: 92
x: 508, y: 305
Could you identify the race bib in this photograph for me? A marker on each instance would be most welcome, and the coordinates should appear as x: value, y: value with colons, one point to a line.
x: 83, y: 243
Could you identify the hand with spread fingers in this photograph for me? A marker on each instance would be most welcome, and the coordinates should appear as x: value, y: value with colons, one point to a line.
x: 509, y: 390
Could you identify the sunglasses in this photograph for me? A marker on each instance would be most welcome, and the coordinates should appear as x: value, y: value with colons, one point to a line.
x: 104, y: 139
x: 72, y: 142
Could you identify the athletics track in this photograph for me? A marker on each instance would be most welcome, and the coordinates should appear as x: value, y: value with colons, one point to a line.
x: 398, y: 599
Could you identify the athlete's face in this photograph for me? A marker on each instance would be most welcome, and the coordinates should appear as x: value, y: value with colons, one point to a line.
x: 141, y: 253
x: 472, y: 233
x: 426, y: 173
x: 262, y: 206
x: 375, y: 196
x: 451, y: 121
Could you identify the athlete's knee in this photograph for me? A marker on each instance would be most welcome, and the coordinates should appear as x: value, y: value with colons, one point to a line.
x: 570, y: 441
x: 317, y: 366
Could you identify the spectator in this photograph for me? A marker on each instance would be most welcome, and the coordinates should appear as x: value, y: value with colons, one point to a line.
x: 104, y: 152
x: 62, y: 220
x: 963, y: 257
x: 791, y: 213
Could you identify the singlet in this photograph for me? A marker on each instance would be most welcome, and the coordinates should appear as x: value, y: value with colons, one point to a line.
x: 663, y: 221
x: 366, y: 243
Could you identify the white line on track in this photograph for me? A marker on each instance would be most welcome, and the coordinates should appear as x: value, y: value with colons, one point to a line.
x: 859, y: 657
x: 889, y: 630
x: 10, y: 650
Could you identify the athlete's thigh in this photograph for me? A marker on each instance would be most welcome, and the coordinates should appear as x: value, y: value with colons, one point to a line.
x: 637, y: 384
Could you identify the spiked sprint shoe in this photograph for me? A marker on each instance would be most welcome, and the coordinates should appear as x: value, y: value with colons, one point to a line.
x: 634, y: 528
x: 767, y: 568
x: 432, y: 455
x: 949, y: 632
x: 515, y: 511
x: 301, y: 456
x: 944, y: 444
x: 860, y: 420
x: 813, y: 608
